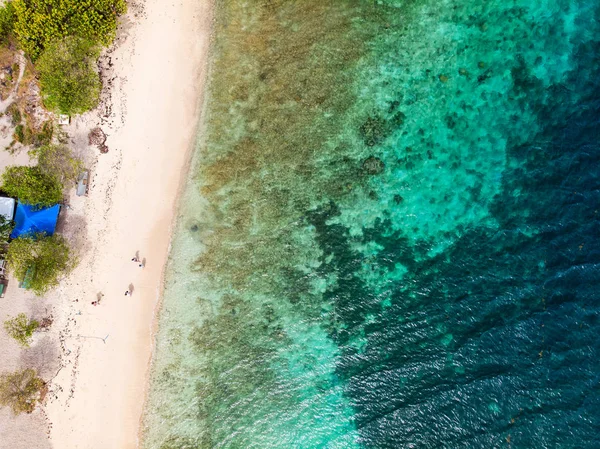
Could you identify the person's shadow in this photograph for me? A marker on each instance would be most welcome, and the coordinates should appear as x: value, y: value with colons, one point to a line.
x: 130, y: 289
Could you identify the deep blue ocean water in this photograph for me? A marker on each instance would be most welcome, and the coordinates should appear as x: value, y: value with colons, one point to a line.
x: 499, y: 342
x: 389, y: 238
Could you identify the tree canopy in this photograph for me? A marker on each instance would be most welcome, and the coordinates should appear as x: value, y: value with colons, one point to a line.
x: 6, y: 227
x: 39, y: 22
x: 7, y: 21
x: 20, y: 390
x: 59, y: 161
x: 32, y: 186
x: 21, y: 329
x: 41, y: 259
x: 69, y: 79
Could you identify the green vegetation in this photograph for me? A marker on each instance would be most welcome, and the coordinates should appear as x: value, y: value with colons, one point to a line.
x: 20, y: 390
x: 44, y: 135
x: 58, y: 161
x: 21, y: 329
x: 28, y: 136
x: 32, y: 185
x: 68, y: 77
x: 19, y: 133
x: 40, y: 259
x: 39, y: 22
x: 15, y: 113
x: 63, y: 38
x: 7, y: 21
x: 6, y: 227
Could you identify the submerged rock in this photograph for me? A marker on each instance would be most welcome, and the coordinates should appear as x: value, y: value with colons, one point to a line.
x: 374, y: 130
x: 398, y: 119
x: 373, y: 165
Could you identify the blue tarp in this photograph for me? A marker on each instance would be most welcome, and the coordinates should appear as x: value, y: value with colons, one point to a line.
x: 29, y: 220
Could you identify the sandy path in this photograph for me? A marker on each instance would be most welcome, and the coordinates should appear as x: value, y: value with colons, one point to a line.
x: 96, y: 399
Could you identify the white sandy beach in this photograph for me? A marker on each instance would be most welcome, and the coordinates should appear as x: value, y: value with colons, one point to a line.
x: 155, y: 73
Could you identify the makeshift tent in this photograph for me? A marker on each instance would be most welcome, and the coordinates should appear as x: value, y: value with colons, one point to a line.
x: 7, y: 207
x: 31, y: 220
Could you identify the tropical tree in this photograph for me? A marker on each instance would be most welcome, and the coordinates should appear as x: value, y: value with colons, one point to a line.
x: 21, y: 328
x: 39, y: 22
x: 7, y: 21
x: 39, y: 260
x: 69, y: 77
x: 20, y: 390
x: 31, y: 185
x: 6, y: 227
x: 59, y: 161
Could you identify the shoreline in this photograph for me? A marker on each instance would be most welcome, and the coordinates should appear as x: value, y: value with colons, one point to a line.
x: 184, y: 177
x: 155, y: 92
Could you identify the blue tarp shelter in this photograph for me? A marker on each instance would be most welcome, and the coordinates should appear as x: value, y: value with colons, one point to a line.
x: 31, y: 220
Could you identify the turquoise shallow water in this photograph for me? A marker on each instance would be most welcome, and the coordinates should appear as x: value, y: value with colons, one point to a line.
x: 389, y: 234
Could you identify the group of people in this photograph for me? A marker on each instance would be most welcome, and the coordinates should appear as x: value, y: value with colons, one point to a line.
x: 99, y: 298
x: 137, y: 259
x: 141, y: 263
x: 129, y: 291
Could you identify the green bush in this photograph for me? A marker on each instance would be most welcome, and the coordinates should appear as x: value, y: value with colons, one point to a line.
x: 39, y: 22
x: 20, y: 390
x: 21, y: 329
x: 40, y: 259
x: 69, y: 80
x: 32, y: 186
x: 7, y: 21
x: 58, y: 160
